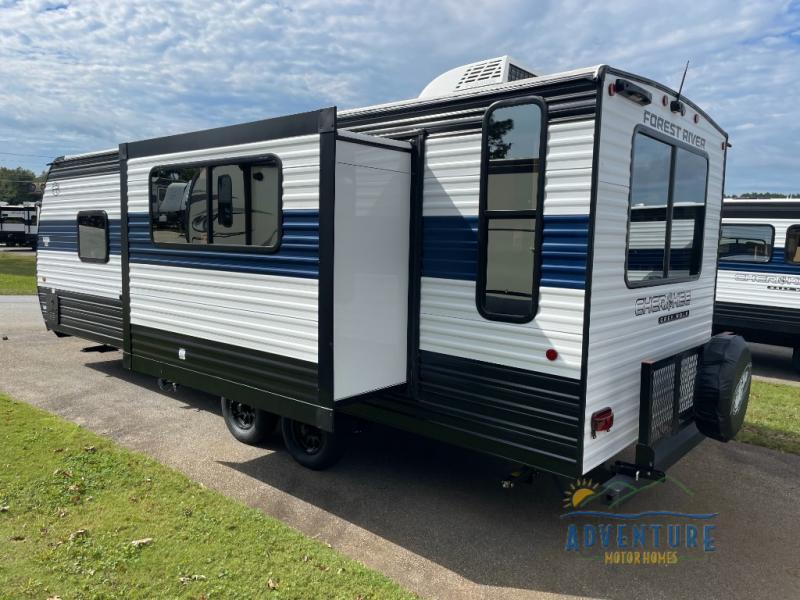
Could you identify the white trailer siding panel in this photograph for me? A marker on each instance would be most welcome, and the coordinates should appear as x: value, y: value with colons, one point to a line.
x: 618, y: 340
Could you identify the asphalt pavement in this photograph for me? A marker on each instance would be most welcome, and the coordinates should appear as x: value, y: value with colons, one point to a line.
x: 430, y: 516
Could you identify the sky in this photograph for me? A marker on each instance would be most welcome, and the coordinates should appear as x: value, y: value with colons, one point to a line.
x: 82, y: 75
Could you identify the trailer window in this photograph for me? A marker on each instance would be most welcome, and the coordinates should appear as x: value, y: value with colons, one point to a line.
x: 243, y: 200
x: 93, y: 236
x: 513, y: 148
x: 746, y: 243
x: 667, y: 212
x: 793, y: 244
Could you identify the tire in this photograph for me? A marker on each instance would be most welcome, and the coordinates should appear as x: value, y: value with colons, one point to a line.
x: 247, y: 424
x: 796, y: 359
x: 723, y: 387
x: 310, y: 446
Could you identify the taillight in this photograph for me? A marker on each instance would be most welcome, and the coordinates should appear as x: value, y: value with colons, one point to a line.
x: 602, y: 420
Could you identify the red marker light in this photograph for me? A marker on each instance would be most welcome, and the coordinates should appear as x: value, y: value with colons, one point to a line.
x: 551, y: 354
x: 612, y: 89
x: 664, y: 100
x: 696, y: 118
x: 602, y: 420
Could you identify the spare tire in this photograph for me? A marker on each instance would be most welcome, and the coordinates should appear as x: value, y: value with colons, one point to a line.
x: 723, y: 387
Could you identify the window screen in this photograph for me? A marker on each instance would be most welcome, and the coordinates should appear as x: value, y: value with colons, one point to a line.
x: 667, y: 212
x: 793, y: 244
x: 226, y: 205
x: 93, y: 236
x: 511, y: 169
x: 746, y: 243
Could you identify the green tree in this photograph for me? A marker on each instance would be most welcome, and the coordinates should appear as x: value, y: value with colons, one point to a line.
x: 19, y: 185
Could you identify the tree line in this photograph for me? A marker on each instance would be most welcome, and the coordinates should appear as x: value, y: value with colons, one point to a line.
x: 20, y: 185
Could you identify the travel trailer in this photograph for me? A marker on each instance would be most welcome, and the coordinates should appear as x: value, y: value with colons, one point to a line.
x: 19, y: 224
x: 758, y: 286
x: 520, y: 264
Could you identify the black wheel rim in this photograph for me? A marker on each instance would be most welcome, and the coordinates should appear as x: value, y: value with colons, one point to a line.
x: 243, y: 416
x: 307, y: 437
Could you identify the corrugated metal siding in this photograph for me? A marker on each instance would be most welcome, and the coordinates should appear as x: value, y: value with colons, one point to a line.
x: 57, y: 262
x: 240, y: 299
x: 619, y: 341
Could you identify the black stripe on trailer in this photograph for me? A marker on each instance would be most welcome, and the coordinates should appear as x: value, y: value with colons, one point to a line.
x: 308, y: 123
x: 524, y: 416
x: 278, y: 384
x: 759, y: 323
x: 85, y: 316
x: 761, y: 210
x: 106, y: 163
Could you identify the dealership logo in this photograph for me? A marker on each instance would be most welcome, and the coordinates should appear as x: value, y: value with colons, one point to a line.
x: 662, y: 303
x: 659, y: 537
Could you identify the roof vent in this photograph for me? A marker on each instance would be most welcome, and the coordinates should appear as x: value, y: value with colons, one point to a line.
x: 477, y: 74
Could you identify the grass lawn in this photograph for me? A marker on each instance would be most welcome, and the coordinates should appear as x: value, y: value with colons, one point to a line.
x: 773, y: 417
x: 81, y: 517
x: 17, y: 273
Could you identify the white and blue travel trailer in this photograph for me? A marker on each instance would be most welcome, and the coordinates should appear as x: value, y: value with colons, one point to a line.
x: 19, y: 224
x: 758, y: 286
x: 519, y: 264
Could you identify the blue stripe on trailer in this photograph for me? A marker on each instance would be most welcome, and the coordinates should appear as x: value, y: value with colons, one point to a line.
x: 777, y: 264
x: 62, y: 235
x: 297, y: 256
x: 450, y: 249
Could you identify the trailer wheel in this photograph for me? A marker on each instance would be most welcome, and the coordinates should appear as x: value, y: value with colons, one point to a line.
x: 310, y: 446
x: 723, y: 387
x: 248, y: 424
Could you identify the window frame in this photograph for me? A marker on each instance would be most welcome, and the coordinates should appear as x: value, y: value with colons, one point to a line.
x: 748, y: 262
x: 674, y: 144
x: 93, y: 213
x: 786, y: 258
x: 485, y: 215
x: 208, y: 166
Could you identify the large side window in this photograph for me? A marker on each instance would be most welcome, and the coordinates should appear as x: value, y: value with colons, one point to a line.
x: 667, y: 212
x: 793, y: 244
x: 511, y: 182
x: 93, y: 236
x: 746, y: 243
x: 226, y: 205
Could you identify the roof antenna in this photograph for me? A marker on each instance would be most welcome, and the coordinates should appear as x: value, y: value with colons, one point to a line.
x: 676, y: 105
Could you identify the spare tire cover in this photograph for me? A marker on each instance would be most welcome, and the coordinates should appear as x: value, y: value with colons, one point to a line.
x: 723, y: 387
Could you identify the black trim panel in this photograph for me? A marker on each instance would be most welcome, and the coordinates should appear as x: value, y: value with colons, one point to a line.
x: 759, y: 323
x: 275, y: 383
x: 86, y: 316
x: 761, y: 210
x: 520, y: 415
x: 88, y: 166
x: 317, y: 121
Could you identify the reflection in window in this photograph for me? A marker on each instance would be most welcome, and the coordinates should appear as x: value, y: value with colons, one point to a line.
x: 244, y: 198
x: 793, y: 244
x: 667, y: 211
x: 746, y: 243
x: 93, y: 236
x: 508, y: 219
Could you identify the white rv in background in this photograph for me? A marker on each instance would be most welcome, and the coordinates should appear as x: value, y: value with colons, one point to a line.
x: 520, y: 264
x: 758, y: 286
x: 19, y: 224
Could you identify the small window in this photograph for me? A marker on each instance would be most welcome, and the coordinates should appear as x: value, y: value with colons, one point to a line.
x: 513, y: 148
x: 667, y: 212
x: 243, y: 201
x: 93, y: 236
x: 793, y: 244
x: 746, y: 243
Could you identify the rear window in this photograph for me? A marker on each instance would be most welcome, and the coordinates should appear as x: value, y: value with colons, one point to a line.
x: 93, y: 236
x: 793, y: 244
x: 667, y: 212
x: 746, y: 243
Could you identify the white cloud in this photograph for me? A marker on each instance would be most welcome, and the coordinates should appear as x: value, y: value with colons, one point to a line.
x: 85, y: 74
